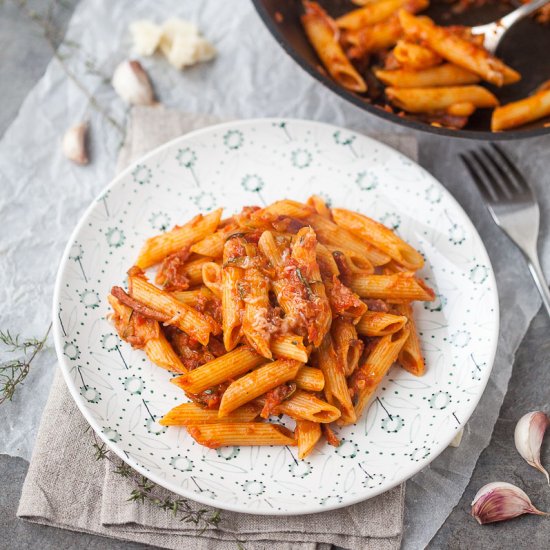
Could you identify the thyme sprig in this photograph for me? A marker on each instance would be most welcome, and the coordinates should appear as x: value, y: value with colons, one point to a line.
x: 13, y: 371
x: 147, y: 491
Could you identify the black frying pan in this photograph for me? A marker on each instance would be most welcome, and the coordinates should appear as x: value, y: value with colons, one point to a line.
x: 526, y: 47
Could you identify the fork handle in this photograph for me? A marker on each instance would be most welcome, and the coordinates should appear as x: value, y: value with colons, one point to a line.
x: 540, y: 280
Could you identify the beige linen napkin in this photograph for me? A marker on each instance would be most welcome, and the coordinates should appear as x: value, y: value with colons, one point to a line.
x: 67, y: 487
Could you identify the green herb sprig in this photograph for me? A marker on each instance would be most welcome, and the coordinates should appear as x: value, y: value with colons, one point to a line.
x: 147, y: 491
x: 13, y: 371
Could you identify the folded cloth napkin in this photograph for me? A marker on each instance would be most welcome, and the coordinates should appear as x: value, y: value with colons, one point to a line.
x: 67, y: 487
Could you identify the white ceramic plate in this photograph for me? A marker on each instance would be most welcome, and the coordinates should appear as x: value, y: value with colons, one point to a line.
x: 411, y: 421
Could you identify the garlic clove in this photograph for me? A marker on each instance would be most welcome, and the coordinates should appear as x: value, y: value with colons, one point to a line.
x: 499, y: 501
x: 146, y: 36
x: 74, y: 143
x: 132, y: 84
x: 528, y: 437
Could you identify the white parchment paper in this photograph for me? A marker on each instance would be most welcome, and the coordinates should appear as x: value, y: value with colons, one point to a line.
x: 42, y: 195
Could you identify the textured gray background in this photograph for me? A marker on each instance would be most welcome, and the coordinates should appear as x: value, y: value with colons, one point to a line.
x: 23, y: 58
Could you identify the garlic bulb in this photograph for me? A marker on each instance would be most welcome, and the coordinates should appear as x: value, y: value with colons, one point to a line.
x: 500, y: 501
x: 132, y: 84
x: 528, y: 437
x: 74, y: 143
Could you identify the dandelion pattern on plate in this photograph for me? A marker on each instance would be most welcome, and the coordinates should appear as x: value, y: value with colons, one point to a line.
x: 345, y: 141
x: 160, y: 221
x: 283, y: 125
x: 408, y: 423
x: 366, y: 181
x: 301, y: 158
x: 205, y: 201
x: 254, y: 184
x: 142, y: 174
x: 76, y: 253
x: 187, y: 158
x: 233, y: 139
x: 115, y: 237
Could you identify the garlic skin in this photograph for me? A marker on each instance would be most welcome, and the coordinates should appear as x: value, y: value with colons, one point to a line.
x: 132, y: 84
x: 74, y: 143
x: 528, y: 437
x: 499, y: 501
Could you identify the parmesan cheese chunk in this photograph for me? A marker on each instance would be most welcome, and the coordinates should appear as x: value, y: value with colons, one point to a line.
x: 146, y: 36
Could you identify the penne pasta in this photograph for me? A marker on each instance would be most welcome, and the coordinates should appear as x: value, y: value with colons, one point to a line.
x: 330, y: 234
x: 518, y: 113
x: 376, y: 12
x: 458, y: 50
x: 190, y: 414
x: 323, y: 35
x: 157, y: 248
x: 256, y: 383
x: 285, y: 284
x: 289, y: 346
x: 320, y: 206
x: 415, y: 56
x: 307, y: 434
x: 410, y: 355
x: 378, y: 323
x: 326, y: 261
x: 241, y: 434
x: 372, y: 38
x: 310, y: 379
x: 446, y: 74
x: 443, y: 98
x: 336, y: 389
x: 270, y: 249
x: 372, y: 371
x: 192, y: 322
x: 232, y: 295
x: 255, y: 323
x: 226, y: 367
x: 212, y: 278
x: 380, y: 236
x: 304, y: 253
x: 354, y: 261
x: 305, y: 406
x: 162, y: 354
x: 212, y: 245
x: 396, y: 287
x: 347, y: 345
x: 192, y: 297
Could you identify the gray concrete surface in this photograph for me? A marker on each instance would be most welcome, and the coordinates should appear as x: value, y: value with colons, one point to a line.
x: 23, y: 58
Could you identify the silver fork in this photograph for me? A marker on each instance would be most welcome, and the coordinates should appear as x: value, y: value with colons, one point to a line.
x: 512, y: 204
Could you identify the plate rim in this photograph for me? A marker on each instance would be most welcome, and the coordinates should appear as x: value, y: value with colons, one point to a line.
x: 197, y: 497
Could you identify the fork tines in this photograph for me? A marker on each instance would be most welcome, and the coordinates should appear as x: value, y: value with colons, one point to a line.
x: 495, y: 175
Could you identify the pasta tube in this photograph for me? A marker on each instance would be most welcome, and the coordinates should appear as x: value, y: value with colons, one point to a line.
x: 241, y: 434
x: 157, y: 248
x: 323, y: 35
x: 398, y: 287
x: 304, y: 405
x: 307, y: 434
x: 458, y: 50
x: 446, y: 74
x: 256, y: 383
x: 219, y: 370
x: 521, y: 112
x: 190, y: 414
